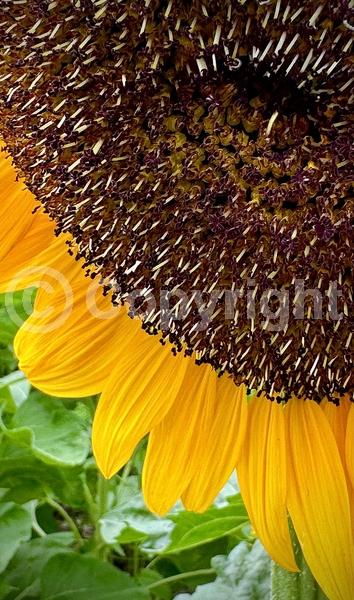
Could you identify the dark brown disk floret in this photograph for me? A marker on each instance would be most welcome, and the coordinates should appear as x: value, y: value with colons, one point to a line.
x: 200, y: 153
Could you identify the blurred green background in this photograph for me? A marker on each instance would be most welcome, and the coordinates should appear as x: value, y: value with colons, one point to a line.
x: 66, y: 533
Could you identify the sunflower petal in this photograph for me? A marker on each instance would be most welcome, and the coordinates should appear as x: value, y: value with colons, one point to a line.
x: 177, y: 442
x: 216, y: 461
x: 23, y: 235
x: 349, y: 444
x: 263, y: 482
x: 16, y: 206
x: 18, y: 269
x: 318, y: 499
x: 66, y: 347
x: 337, y: 417
x: 144, y: 383
x: 339, y: 420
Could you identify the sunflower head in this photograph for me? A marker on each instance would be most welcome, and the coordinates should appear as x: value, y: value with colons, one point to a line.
x: 195, y: 150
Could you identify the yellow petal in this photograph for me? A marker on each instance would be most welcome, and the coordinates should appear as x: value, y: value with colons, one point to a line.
x: 337, y: 417
x: 23, y: 235
x: 217, y: 459
x: 16, y: 206
x: 349, y: 444
x: 318, y: 499
x: 263, y: 479
x: 18, y: 268
x: 67, y: 347
x: 55, y: 268
x: 143, y: 385
x: 177, y: 442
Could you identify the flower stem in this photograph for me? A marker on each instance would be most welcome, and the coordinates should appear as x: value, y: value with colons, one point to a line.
x: 90, y: 502
x: 295, y: 586
x: 36, y: 527
x: 61, y: 510
x: 102, y: 550
x: 102, y: 494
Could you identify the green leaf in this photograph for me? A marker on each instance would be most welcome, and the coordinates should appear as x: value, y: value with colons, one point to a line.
x: 14, y: 310
x: 5, y: 590
x: 130, y: 521
x: 55, y: 433
x: 244, y: 574
x: 14, y: 390
x: 148, y: 577
x: 23, y: 492
x: 20, y: 470
x: 193, y: 529
x: 78, y: 577
x: 15, y: 528
x: 7, y: 361
x: 24, y: 570
x: 198, y: 557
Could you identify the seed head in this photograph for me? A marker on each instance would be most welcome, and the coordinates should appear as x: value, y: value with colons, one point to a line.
x: 198, y: 146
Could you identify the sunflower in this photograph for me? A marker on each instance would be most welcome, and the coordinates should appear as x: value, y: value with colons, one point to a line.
x: 187, y: 220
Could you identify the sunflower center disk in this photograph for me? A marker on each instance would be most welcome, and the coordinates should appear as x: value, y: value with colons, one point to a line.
x: 199, y: 153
